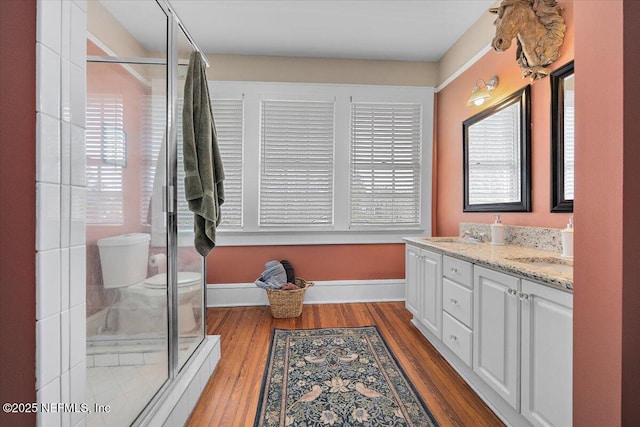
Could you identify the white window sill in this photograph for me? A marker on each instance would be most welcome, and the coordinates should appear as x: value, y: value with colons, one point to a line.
x: 266, y: 238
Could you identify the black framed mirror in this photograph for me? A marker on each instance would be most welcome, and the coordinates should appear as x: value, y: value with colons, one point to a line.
x: 497, y: 156
x: 562, y: 138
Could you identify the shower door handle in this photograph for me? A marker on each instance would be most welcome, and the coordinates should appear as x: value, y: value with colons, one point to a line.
x: 167, y: 204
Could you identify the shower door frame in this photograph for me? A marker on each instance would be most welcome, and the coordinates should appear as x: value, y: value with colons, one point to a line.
x: 170, y: 200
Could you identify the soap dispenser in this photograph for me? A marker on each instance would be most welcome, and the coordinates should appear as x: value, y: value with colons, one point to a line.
x: 497, y: 232
x: 567, y: 240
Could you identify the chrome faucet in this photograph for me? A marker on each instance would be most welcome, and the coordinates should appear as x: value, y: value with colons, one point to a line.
x: 480, y: 237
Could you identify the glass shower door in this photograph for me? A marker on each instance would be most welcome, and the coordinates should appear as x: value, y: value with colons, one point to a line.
x: 125, y: 170
x: 190, y: 265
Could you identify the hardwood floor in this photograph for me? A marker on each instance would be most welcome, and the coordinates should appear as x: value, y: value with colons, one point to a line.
x: 231, y: 396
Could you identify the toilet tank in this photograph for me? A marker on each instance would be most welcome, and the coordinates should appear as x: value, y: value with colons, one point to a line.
x: 124, y: 259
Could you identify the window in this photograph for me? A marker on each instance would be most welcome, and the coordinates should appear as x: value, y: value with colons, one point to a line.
x: 185, y: 216
x: 105, y: 158
x: 296, y: 163
x: 313, y: 163
x: 228, y: 116
x: 385, y: 164
x: 326, y: 163
x: 154, y: 128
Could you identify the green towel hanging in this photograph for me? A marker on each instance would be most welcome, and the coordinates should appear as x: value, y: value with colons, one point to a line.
x: 204, y: 174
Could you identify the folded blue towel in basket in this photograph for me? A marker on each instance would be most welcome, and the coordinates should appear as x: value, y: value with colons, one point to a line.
x: 273, y: 277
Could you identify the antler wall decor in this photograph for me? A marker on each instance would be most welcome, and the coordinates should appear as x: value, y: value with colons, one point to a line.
x: 539, y: 29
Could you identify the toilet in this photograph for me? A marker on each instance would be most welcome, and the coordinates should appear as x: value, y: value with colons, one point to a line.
x: 143, y: 304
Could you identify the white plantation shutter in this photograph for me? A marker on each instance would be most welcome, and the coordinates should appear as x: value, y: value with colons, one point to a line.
x: 105, y: 157
x: 494, y: 168
x: 154, y: 129
x: 296, y: 163
x: 185, y: 216
x: 385, y: 164
x: 228, y: 117
x: 569, y: 145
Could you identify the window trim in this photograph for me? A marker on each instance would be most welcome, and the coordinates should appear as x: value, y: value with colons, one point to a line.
x: 370, y: 146
x: 342, y: 233
x: 327, y: 147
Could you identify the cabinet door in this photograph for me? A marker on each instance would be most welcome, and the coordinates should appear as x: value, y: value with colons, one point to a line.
x: 496, y: 332
x: 547, y: 353
x: 412, y: 279
x: 431, y: 303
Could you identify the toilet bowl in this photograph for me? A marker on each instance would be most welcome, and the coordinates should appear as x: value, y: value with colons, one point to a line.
x: 143, y: 308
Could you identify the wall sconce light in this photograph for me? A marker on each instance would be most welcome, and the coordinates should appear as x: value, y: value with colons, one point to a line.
x: 482, y: 91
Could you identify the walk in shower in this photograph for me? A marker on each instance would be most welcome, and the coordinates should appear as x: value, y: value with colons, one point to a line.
x: 145, y: 280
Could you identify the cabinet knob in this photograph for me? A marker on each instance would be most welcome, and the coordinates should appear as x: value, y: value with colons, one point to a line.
x: 453, y: 301
x: 454, y: 270
x: 511, y: 291
x: 453, y: 338
x: 523, y: 296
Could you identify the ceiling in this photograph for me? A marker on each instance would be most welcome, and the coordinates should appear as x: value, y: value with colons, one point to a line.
x: 418, y: 30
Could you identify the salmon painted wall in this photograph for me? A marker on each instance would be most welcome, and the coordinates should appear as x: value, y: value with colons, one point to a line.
x: 242, y: 264
x: 606, y: 269
x: 18, y: 213
x: 451, y: 111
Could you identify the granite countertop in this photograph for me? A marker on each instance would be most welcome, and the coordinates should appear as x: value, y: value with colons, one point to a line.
x: 543, y: 266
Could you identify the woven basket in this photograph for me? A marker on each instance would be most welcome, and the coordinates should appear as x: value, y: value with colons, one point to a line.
x: 285, y: 304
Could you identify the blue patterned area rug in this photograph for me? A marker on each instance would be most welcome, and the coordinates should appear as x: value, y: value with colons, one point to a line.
x: 337, y: 377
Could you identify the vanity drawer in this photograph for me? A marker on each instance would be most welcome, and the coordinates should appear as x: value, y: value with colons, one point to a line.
x: 458, y: 338
x: 458, y: 270
x: 457, y: 301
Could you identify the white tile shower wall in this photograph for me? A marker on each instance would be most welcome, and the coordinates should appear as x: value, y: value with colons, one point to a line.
x: 65, y: 40
x: 77, y: 273
x: 48, y: 216
x: 48, y: 352
x: 61, y: 198
x: 48, y: 29
x: 65, y: 340
x: 47, y: 81
x: 65, y: 212
x: 49, y: 393
x: 47, y: 283
x: 65, y: 397
x: 47, y: 149
x: 65, y: 90
x: 65, y: 153
x: 64, y: 279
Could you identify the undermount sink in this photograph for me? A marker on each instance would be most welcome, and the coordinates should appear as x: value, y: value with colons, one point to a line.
x: 454, y: 240
x: 558, y: 264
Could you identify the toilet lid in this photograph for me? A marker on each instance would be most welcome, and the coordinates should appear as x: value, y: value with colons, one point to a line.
x: 185, y: 278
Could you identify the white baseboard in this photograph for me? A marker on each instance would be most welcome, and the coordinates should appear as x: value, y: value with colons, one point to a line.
x: 324, y: 292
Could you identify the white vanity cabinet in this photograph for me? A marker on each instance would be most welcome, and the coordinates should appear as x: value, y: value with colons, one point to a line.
x: 497, y: 334
x: 457, y: 306
x: 424, y: 287
x: 523, y: 334
x: 547, y: 351
x: 509, y: 337
x: 412, y: 270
